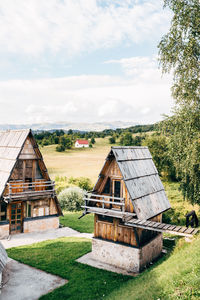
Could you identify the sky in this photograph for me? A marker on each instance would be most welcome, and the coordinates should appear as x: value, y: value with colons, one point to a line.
x: 82, y: 61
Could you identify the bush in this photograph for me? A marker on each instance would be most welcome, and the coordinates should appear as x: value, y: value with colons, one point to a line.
x: 82, y: 182
x: 60, y: 148
x: 112, y: 140
x: 71, y: 199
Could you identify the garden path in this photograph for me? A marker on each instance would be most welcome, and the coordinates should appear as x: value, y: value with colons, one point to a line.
x: 36, y: 237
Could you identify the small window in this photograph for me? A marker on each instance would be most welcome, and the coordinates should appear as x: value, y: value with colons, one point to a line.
x: 3, y: 211
x: 28, y: 210
x: 117, y: 189
x: 107, y: 187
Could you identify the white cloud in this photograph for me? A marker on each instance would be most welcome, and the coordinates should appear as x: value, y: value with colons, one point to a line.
x: 83, y: 99
x: 35, y: 26
x: 142, y: 69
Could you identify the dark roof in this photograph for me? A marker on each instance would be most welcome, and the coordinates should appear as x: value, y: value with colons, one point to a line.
x: 142, y: 180
x: 11, y: 143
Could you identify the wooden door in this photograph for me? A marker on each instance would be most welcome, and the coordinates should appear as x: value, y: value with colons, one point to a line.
x: 16, y: 217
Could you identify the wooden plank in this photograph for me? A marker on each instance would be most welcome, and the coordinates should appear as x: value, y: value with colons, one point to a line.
x: 161, y: 225
x: 135, y: 221
x: 171, y: 227
x: 195, y: 231
x: 189, y: 230
x: 177, y: 228
x: 166, y: 227
x: 183, y: 229
x: 155, y: 225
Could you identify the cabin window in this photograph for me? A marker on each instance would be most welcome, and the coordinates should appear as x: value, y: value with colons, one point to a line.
x: 3, y: 211
x: 105, y: 218
x: 28, y: 210
x: 107, y: 187
x: 38, y: 173
x: 117, y: 188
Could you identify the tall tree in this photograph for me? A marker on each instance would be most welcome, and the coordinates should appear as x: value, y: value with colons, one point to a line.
x: 179, y: 51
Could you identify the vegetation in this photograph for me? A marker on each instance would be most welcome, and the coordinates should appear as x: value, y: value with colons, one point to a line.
x: 112, y: 140
x: 71, y: 198
x: 174, y: 276
x: 158, y: 146
x: 46, y: 138
x: 179, y: 51
x: 58, y: 257
x: 85, y: 224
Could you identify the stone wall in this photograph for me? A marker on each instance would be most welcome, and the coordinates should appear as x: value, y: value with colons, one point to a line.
x: 126, y: 257
x: 151, y: 251
x: 4, y: 231
x: 41, y: 224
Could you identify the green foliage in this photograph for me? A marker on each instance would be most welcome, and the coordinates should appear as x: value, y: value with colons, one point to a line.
x: 71, y: 198
x: 93, y: 140
x: 126, y: 139
x: 90, y: 145
x: 61, y: 183
x: 179, y: 51
x: 85, y: 224
x: 112, y: 140
x: 82, y: 182
x: 158, y: 146
x: 60, y: 148
x: 183, y: 132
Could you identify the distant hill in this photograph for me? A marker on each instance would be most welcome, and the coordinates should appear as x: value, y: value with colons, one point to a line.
x: 99, y: 126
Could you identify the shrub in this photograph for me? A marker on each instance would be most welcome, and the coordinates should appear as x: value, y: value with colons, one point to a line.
x: 60, y: 148
x: 82, y: 182
x: 112, y: 140
x: 71, y: 198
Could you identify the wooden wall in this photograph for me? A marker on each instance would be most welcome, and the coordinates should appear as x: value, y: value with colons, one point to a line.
x: 114, y: 230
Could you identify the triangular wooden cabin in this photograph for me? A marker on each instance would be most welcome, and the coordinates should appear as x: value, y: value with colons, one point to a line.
x: 128, y: 201
x: 28, y: 200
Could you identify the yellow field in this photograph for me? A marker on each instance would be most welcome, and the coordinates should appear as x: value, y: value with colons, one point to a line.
x: 76, y: 162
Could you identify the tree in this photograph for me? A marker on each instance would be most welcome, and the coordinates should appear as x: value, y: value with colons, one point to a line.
x: 93, y: 140
x: 158, y: 146
x: 112, y: 140
x: 179, y: 51
x: 126, y: 139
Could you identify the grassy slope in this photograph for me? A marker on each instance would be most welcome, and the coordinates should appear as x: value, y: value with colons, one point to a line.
x: 175, y: 276
x: 58, y: 257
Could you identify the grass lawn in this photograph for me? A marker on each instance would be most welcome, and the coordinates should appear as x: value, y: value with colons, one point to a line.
x: 175, y: 276
x: 58, y: 257
x: 85, y: 224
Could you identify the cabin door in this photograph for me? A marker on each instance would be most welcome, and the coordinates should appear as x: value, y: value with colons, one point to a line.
x: 16, y: 220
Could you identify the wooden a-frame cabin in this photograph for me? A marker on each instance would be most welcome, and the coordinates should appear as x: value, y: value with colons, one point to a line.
x: 28, y: 200
x: 128, y: 201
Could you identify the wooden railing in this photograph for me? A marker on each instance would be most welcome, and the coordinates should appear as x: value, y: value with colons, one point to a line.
x: 19, y: 189
x: 104, y: 201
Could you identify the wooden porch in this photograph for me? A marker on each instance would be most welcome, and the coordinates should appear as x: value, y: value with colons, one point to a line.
x: 20, y: 190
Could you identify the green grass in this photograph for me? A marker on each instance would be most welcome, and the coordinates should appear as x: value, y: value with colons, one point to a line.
x: 58, y: 257
x: 179, y: 206
x: 175, y: 276
x: 85, y: 224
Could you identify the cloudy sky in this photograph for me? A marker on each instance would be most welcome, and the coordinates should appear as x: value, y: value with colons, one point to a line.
x: 82, y: 61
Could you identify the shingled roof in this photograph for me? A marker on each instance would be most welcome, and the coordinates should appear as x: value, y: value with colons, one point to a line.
x: 142, y: 180
x: 11, y: 144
